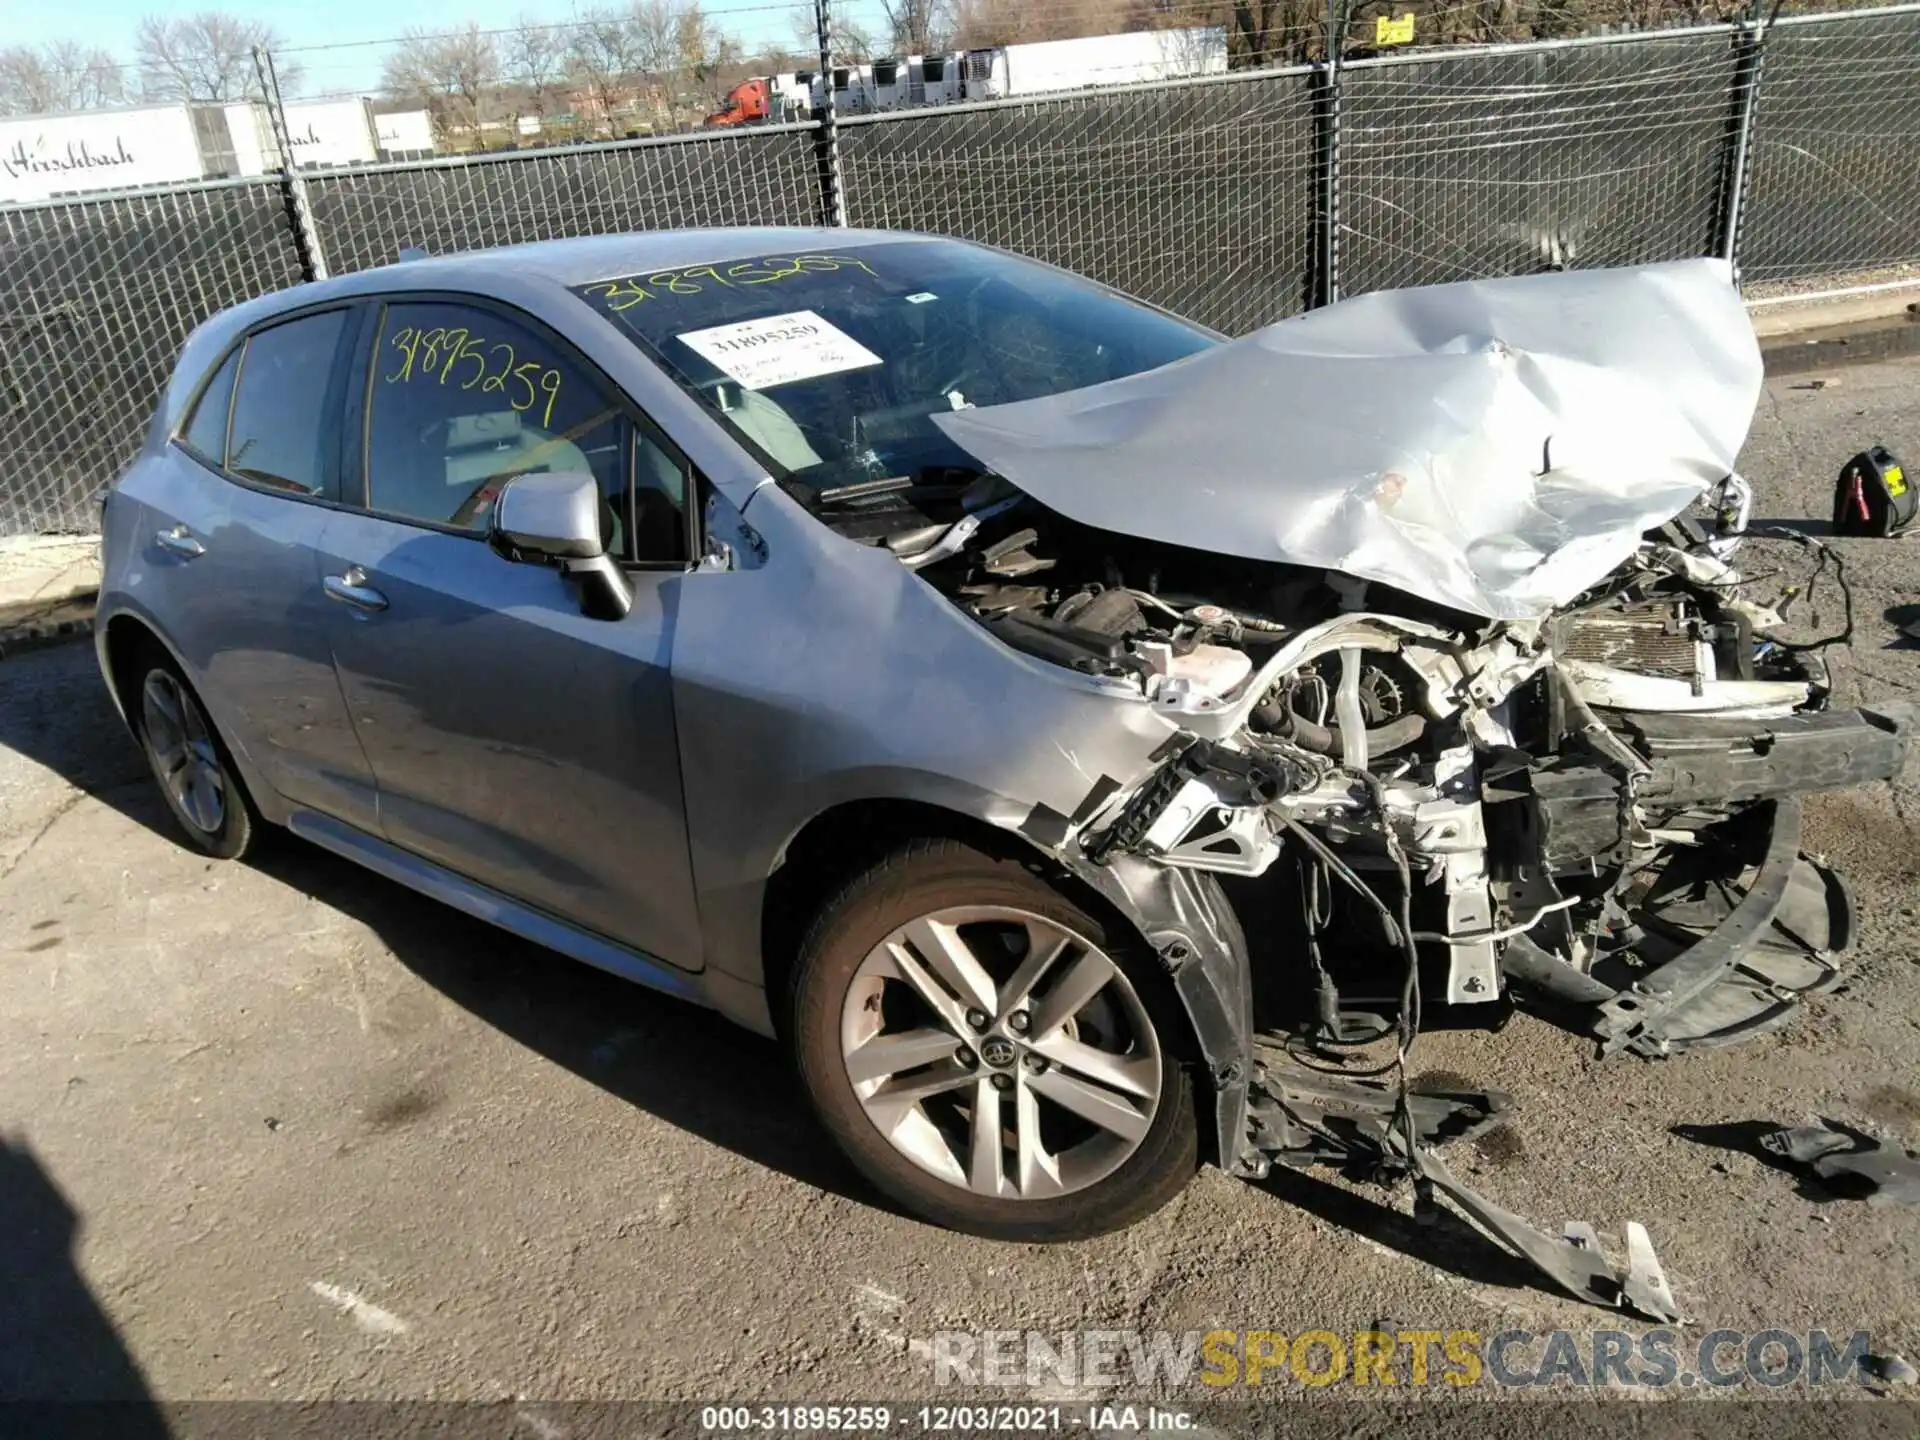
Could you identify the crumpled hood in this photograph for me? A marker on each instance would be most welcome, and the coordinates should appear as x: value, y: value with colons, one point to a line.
x: 1496, y: 445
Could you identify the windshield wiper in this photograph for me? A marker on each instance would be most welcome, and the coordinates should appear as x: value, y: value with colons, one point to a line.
x: 935, y: 483
x: 860, y: 490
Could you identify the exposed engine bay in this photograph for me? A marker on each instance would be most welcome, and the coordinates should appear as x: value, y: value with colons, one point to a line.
x: 1565, y: 806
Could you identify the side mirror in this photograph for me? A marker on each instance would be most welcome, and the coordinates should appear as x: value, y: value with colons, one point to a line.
x: 555, y: 519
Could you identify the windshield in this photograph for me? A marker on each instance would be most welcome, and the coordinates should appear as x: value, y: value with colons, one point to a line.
x: 831, y: 363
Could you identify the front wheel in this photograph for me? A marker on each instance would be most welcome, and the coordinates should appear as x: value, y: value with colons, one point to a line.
x: 990, y: 1055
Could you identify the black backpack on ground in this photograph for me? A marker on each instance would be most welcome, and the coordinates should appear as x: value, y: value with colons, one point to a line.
x: 1873, y: 496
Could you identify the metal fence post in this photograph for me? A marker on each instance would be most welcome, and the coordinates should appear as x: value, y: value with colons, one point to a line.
x: 306, y: 239
x: 833, y: 199
x: 1324, y: 288
x: 1750, y: 53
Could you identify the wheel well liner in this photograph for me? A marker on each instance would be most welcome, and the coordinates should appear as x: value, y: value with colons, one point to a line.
x: 838, y: 844
x: 127, y: 636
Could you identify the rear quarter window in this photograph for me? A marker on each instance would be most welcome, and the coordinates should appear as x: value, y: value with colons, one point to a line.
x: 278, y: 438
x: 205, y: 433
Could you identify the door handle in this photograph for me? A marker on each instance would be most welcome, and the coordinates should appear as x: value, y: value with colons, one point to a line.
x: 352, y: 589
x: 179, y: 541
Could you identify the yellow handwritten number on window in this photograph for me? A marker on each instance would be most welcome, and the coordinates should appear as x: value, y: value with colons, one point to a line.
x: 435, y: 355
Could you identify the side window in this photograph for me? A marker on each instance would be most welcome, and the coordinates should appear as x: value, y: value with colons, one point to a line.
x: 463, y: 399
x: 280, y: 404
x: 206, y: 432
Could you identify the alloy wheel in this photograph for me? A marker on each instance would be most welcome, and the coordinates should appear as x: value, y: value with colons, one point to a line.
x: 180, y: 743
x: 1001, y: 1052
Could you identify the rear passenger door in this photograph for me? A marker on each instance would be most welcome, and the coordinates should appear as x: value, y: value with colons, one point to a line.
x: 514, y: 741
x: 233, y: 573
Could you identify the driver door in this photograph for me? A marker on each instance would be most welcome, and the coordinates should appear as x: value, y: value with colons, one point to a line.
x: 513, y: 740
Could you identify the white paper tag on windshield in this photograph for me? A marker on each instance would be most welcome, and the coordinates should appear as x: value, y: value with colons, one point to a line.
x: 779, y: 349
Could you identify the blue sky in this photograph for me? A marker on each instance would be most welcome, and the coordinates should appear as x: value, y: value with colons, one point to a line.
x: 110, y: 23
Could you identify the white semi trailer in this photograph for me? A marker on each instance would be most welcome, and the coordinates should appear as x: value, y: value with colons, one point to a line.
x: 47, y: 156
x: 324, y: 134
x: 1047, y: 66
x: 42, y: 156
x: 1001, y: 72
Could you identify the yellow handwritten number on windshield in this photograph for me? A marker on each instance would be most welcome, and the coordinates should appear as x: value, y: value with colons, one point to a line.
x: 632, y: 290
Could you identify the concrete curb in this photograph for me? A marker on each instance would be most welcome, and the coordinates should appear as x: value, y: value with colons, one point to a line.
x: 48, y: 585
x: 16, y: 639
x: 1781, y: 315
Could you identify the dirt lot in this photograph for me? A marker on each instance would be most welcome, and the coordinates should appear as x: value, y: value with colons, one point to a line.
x: 286, y: 1130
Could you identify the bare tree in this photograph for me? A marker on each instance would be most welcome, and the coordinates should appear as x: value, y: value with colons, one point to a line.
x: 981, y: 23
x: 651, y: 25
x: 1270, y: 32
x: 63, y: 75
x: 454, y: 74
x: 601, y: 60
x: 534, y: 57
x: 852, y: 42
x: 208, y: 56
x: 917, y: 27
x: 704, y: 48
x: 680, y: 51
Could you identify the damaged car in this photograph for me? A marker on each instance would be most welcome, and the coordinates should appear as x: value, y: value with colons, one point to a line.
x: 1093, y: 745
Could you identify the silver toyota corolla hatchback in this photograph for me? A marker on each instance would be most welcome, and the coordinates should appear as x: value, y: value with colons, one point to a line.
x: 1043, y: 715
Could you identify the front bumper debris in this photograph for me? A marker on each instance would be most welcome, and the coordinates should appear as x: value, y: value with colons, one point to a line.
x: 1730, y: 968
x: 1850, y: 1163
x: 1299, y: 1116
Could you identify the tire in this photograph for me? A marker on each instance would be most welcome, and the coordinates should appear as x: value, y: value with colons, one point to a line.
x: 189, y: 760
x: 1100, y: 1034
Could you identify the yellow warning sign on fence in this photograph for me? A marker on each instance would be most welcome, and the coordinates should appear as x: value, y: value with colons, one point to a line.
x: 1389, y: 31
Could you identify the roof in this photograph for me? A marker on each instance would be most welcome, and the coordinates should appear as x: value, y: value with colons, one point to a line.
x: 561, y: 263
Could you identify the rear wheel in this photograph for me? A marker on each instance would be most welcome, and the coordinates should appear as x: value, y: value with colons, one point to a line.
x: 189, y: 761
x: 989, y: 1054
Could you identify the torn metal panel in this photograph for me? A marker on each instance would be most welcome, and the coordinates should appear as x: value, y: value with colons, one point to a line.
x: 1495, y: 445
x: 1302, y: 1116
x: 1574, y: 1262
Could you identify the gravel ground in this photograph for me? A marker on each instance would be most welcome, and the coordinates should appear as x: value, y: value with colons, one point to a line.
x: 285, y: 1130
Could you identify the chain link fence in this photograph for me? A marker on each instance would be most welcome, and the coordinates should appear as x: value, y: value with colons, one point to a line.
x: 765, y: 176
x: 99, y: 295
x: 1491, y: 164
x: 1198, y: 197
x: 1235, y: 199
x: 1836, y: 148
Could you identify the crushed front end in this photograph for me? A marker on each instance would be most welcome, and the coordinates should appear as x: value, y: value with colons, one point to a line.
x: 1598, y: 813
x: 1464, y: 707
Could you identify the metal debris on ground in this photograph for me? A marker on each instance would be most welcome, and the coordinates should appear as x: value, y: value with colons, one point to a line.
x: 1574, y: 1261
x: 1887, y: 1370
x: 1850, y: 1163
